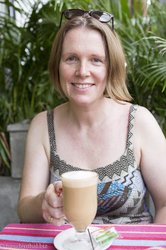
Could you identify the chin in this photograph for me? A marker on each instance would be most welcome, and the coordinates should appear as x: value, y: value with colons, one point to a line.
x: 84, y: 102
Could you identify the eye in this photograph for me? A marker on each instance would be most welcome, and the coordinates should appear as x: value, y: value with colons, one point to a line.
x: 97, y: 60
x: 71, y: 59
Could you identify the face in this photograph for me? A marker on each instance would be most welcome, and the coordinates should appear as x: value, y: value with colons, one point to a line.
x: 83, y: 66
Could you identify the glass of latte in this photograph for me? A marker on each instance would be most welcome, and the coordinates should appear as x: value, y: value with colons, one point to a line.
x: 80, y: 206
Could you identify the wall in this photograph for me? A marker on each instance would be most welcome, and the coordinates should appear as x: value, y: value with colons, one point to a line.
x: 10, y: 186
x: 9, y: 190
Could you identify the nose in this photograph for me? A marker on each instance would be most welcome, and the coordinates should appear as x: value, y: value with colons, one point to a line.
x: 82, y: 69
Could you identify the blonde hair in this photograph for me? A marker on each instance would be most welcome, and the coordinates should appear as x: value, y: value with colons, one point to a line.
x: 116, y: 87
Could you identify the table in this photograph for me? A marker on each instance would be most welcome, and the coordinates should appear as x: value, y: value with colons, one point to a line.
x: 40, y: 236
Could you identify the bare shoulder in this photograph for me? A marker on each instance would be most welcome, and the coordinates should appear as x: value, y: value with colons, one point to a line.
x: 143, y: 113
x: 146, y: 123
x: 144, y: 116
x: 39, y: 120
x: 39, y: 117
x: 38, y: 132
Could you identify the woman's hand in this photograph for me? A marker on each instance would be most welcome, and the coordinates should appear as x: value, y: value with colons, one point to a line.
x: 52, y: 205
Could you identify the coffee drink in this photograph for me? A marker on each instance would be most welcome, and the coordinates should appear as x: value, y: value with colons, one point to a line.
x: 80, y: 198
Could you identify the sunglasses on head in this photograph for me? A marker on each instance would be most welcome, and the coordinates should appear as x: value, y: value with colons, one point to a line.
x: 101, y: 16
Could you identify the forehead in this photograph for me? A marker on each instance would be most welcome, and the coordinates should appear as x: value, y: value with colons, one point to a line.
x: 83, y: 39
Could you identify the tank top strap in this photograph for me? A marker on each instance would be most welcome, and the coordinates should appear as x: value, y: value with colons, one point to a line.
x: 51, y: 132
x: 132, y: 112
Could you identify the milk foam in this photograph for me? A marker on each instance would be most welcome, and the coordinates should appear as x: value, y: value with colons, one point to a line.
x: 79, y: 178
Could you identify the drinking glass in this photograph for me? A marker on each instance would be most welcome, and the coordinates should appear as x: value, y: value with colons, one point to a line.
x: 80, y: 206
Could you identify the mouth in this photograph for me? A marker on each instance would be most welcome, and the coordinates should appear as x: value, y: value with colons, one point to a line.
x: 82, y: 85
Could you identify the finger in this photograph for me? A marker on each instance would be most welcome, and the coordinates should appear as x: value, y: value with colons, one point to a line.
x: 58, y: 187
x: 56, y: 221
x: 52, y: 198
x: 48, y: 211
x: 57, y: 213
x: 59, y: 222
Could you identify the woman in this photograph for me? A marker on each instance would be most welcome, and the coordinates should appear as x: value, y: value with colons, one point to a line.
x: 96, y: 129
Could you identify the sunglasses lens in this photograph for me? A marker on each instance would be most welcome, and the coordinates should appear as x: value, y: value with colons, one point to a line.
x: 96, y: 14
x: 73, y: 12
x: 105, y: 18
x: 101, y: 16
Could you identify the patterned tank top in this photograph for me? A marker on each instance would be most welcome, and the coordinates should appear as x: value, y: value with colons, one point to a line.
x: 121, y: 189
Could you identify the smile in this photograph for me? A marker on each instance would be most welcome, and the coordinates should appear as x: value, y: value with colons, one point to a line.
x: 82, y: 86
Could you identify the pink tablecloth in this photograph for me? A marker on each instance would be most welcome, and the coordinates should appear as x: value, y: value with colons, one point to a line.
x: 40, y: 236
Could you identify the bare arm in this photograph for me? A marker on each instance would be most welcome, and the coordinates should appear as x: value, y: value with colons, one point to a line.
x: 35, y: 173
x: 38, y: 201
x: 153, y: 161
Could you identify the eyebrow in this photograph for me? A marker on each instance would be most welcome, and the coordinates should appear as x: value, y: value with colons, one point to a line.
x: 100, y: 56
x: 77, y: 54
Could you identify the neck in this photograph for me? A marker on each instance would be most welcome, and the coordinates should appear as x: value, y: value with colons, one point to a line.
x: 88, y: 116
